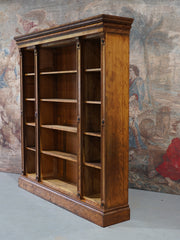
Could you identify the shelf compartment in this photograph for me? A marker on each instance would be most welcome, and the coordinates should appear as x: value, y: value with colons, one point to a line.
x: 58, y: 86
x: 29, y: 111
x: 92, y: 50
x: 58, y: 58
x: 59, y: 144
x: 29, y: 137
x: 58, y: 72
x: 62, y: 116
x: 91, y: 183
x: 92, y: 87
x: 58, y: 100
x: 61, y: 128
x: 92, y: 117
x: 32, y: 148
x: 61, y: 186
x: 28, y: 59
x: 62, y: 155
x: 58, y: 172
x: 92, y: 151
x: 93, y: 134
x: 30, y: 162
x: 29, y: 87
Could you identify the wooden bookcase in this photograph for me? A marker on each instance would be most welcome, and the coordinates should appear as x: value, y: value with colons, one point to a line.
x: 74, y: 114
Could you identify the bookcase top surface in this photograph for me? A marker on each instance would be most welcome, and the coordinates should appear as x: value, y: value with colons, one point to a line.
x: 92, y: 25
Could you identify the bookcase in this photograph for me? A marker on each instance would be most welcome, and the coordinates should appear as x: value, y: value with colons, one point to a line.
x: 74, y: 116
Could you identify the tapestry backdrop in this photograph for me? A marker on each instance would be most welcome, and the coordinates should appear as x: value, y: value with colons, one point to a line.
x: 154, y: 99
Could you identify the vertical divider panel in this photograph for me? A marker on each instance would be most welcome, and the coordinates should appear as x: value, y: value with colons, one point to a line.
x: 103, y: 81
x: 79, y: 132
x: 21, y: 51
x: 37, y: 113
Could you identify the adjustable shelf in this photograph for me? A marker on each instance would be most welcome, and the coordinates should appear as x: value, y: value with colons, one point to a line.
x: 31, y: 148
x: 62, y: 155
x: 58, y: 72
x: 57, y: 100
x: 74, y: 94
x: 61, y: 128
x: 31, y: 124
x: 93, y: 134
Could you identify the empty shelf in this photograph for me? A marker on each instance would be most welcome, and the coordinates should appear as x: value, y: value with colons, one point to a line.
x: 58, y: 72
x: 29, y: 74
x: 61, y: 128
x: 62, y: 155
x: 60, y: 185
x: 93, y: 134
x: 31, y: 176
x: 30, y: 99
x: 93, y: 102
x: 93, y: 70
x: 93, y: 164
x: 32, y: 124
x: 31, y: 148
x: 59, y: 100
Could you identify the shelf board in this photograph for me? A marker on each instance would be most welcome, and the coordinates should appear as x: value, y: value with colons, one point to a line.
x: 29, y: 74
x: 32, y: 124
x: 93, y: 134
x: 58, y: 100
x: 61, y: 128
x: 30, y: 99
x: 93, y: 102
x: 31, y: 148
x: 31, y: 176
x: 92, y: 69
x: 62, y: 155
x: 93, y: 164
x: 60, y: 185
x: 93, y: 198
x: 58, y: 72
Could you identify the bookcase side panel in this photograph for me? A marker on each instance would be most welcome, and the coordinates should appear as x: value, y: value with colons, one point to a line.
x: 116, y: 120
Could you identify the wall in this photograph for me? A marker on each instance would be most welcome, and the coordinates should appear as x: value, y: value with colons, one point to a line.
x: 154, y: 80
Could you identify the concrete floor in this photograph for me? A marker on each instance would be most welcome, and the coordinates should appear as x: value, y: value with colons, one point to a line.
x: 24, y: 216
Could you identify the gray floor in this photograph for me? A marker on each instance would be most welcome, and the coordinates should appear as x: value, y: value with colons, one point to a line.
x: 24, y: 216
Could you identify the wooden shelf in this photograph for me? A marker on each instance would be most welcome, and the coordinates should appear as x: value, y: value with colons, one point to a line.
x: 32, y: 124
x: 58, y: 100
x: 61, y: 128
x: 30, y: 99
x: 31, y: 176
x: 93, y: 198
x: 60, y: 185
x: 93, y: 134
x: 93, y: 70
x: 93, y: 102
x: 29, y: 74
x: 93, y: 164
x: 31, y: 148
x: 58, y: 72
x: 62, y: 155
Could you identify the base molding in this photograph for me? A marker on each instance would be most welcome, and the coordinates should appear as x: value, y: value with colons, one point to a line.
x: 77, y: 206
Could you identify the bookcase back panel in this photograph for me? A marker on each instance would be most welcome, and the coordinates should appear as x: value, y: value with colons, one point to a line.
x: 30, y: 161
x: 58, y: 113
x: 28, y: 61
x: 29, y: 88
x: 91, y: 53
x: 91, y: 181
x: 61, y: 58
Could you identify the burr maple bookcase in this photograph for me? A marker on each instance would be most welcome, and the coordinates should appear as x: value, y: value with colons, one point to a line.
x: 74, y: 113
